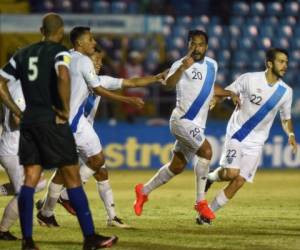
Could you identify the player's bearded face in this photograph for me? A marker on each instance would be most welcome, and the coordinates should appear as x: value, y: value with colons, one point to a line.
x: 280, y: 65
x: 200, y: 45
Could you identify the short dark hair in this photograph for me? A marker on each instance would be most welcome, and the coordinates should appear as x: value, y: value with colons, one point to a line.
x: 77, y: 32
x: 197, y: 33
x: 271, y: 53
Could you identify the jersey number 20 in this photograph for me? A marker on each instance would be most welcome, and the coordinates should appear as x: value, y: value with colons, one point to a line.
x: 32, y: 68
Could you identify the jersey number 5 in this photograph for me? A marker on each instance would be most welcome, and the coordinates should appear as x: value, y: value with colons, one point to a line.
x: 32, y: 68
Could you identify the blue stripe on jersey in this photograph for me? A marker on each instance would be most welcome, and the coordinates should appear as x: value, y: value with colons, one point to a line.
x: 89, y: 104
x: 76, y: 118
x: 204, y: 93
x: 249, y: 125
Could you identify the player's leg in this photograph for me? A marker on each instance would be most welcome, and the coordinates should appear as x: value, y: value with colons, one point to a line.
x: 249, y: 164
x: 230, y: 163
x: 163, y: 175
x: 201, y: 169
x: 79, y: 201
x: 97, y: 163
x: 25, y: 203
x: 46, y: 206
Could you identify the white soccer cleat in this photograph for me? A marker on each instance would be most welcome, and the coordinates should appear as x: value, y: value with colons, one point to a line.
x: 117, y: 222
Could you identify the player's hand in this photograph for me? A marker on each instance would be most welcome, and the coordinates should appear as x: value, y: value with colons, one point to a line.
x: 293, y: 143
x: 62, y: 116
x: 136, y: 101
x: 188, y: 60
x: 236, y: 100
x: 161, y: 77
x: 213, y: 103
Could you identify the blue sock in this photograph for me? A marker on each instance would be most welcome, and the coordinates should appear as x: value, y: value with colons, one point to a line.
x: 25, y: 203
x: 79, y: 202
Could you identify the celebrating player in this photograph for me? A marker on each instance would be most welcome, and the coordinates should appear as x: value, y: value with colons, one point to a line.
x: 262, y: 94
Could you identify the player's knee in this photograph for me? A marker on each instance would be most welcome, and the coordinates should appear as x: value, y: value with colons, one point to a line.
x: 96, y: 162
x: 231, y: 174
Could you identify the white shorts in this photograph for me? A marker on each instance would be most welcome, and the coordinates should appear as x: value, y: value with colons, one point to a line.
x: 14, y: 170
x: 87, y: 141
x: 189, y: 137
x: 239, y: 156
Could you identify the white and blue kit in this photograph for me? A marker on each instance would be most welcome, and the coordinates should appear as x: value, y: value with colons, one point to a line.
x: 9, y: 141
x: 194, y: 91
x: 249, y: 126
x: 84, y: 103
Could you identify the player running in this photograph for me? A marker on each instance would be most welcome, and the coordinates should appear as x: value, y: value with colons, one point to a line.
x: 262, y: 95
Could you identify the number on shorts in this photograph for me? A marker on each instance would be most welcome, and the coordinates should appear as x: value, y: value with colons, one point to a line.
x: 231, y: 153
x: 194, y: 132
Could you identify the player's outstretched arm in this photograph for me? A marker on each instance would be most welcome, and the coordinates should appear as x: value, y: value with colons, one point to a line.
x: 220, y: 93
x: 134, y: 101
x: 7, y: 99
x: 144, y: 81
x: 287, y: 126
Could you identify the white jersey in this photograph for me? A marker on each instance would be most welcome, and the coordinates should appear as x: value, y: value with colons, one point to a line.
x: 9, y: 142
x: 260, y: 103
x: 194, y: 90
x: 93, y: 100
x: 83, y: 80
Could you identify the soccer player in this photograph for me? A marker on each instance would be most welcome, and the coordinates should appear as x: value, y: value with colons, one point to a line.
x: 103, y: 186
x: 45, y: 135
x: 193, y: 77
x: 262, y: 95
x: 84, y: 81
x: 9, y: 144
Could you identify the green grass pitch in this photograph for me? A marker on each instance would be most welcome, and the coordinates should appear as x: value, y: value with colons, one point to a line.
x: 263, y: 216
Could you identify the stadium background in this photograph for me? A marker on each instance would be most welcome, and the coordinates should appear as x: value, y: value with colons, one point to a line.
x: 145, y: 37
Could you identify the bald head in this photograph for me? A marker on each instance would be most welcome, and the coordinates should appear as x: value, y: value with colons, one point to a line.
x: 52, y: 23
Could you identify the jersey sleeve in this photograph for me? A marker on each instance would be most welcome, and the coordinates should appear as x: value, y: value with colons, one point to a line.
x: 173, y: 68
x: 89, y: 73
x: 9, y: 71
x: 62, y: 58
x: 285, y: 108
x: 238, y: 85
x: 111, y: 83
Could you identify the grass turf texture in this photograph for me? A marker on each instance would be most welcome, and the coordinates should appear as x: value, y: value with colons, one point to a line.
x: 264, y: 215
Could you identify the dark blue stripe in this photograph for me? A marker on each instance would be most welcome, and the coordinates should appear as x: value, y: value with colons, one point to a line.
x: 249, y: 125
x: 76, y: 118
x: 89, y: 104
x: 204, y: 93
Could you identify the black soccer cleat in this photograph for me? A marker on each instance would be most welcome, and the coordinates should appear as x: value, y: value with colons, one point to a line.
x: 7, y: 236
x: 67, y: 205
x: 208, y: 184
x: 28, y: 244
x: 47, y: 221
x: 201, y: 220
x: 39, y: 204
x: 97, y: 241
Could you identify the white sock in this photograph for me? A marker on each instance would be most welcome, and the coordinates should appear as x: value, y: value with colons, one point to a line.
x: 64, y: 194
x: 10, y: 215
x: 219, y: 201
x: 41, y: 185
x: 214, y: 176
x: 201, y: 169
x: 106, y: 195
x: 163, y: 175
x: 51, y: 199
x: 85, y: 173
x: 7, y: 189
